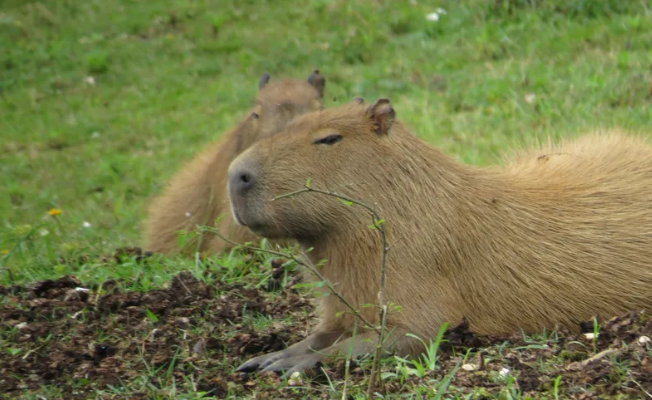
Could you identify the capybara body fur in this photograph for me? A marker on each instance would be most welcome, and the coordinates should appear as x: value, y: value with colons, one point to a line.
x: 560, y: 234
x: 197, y: 195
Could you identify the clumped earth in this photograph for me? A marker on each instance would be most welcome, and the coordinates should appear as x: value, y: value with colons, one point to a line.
x: 93, y: 341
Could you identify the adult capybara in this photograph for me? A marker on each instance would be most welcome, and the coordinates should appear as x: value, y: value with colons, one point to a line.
x: 196, y: 195
x: 559, y: 235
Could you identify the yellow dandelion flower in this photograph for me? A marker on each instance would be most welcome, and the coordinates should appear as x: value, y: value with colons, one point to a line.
x: 4, y: 251
x: 54, y: 212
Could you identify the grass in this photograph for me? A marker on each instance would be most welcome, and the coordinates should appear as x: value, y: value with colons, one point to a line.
x: 101, y: 101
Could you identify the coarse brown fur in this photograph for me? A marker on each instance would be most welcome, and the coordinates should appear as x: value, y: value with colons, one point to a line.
x: 560, y: 234
x: 197, y: 195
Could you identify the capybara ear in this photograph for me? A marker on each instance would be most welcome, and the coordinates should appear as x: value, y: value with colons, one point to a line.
x: 382, y: 115
x: 318, y: 82
x: 264, y: 79
x: 358, y: 100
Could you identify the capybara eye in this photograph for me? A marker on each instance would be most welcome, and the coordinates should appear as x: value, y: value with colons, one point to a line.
x: 254, y: 116
x: 329, y: 140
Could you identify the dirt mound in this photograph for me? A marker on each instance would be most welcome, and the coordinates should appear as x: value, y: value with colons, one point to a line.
x: 88, y: 339
x: 57, y: 330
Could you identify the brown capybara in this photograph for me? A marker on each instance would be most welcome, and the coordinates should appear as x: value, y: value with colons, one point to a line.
x: 558, y: 236
x: 197, y: 195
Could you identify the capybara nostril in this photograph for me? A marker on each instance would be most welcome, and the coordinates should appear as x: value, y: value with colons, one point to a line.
x: 241, y: 180
x: 246, y: 180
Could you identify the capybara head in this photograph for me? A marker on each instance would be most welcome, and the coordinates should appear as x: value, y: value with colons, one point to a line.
x: 348, y: 150
x: 277, y: 103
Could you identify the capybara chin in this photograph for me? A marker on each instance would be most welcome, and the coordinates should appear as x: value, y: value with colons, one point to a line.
x: 196, y: 195
x: 561, y: 234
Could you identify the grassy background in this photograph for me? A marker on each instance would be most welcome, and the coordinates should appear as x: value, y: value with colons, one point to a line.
x: 101, y: 101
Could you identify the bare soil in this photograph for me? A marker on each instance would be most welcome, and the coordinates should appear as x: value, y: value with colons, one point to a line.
x: 61, y: 332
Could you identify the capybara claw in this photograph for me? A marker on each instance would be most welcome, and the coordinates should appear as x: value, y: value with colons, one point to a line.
x: 248, y: 366
x: 260, y: 362
x: 294, y: 364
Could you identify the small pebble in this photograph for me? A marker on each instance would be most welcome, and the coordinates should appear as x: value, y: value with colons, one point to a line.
x: 199, y: 348
x: 469, y: 367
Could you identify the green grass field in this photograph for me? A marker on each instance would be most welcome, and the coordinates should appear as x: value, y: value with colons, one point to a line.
x: 102, y: 100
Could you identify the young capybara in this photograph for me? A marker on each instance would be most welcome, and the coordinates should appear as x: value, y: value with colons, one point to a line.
x: 196, y: 195
x: 558, y: 236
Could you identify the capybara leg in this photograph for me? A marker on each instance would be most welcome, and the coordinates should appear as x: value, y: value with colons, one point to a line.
x: 314, y: 342
x: 353, y: 347
x: 361, y: 344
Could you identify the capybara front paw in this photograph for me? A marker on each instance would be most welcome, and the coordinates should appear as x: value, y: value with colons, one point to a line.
x: 294, y: 364
x: 261, y: 362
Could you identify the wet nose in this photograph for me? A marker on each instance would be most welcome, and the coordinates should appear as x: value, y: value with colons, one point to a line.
x: 241, y: 179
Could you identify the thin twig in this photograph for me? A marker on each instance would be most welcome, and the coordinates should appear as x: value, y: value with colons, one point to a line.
x: 308, y: 265
x: 377, y: 223
x: 312, y: 268
x: 643, y: 389
x: 347, y: 364
x: 32, y: 351
x: 395, y: 243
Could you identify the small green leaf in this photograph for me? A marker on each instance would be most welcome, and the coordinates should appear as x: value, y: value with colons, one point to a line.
x: 151, y: 316
x: 345, y: 202
x: 385, y: 375
x: 14, y: 352
x: 308, y: 183
x: 303, y: 285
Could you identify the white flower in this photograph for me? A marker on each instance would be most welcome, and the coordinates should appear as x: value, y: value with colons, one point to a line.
x: 95, y: 135
x: 434, y: 16
x: 503, y: 372
x: 90, y: 80
x: 86, y: 224
x: 644, y: 339
x: 81, y: 289
x: 295, y: 379
x: 591, y: 335
x: 43, y: 232
x: 188, y: 215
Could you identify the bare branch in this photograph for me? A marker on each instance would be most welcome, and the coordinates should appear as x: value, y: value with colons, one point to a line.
x: 306, y: 264
x: 378, y: 224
